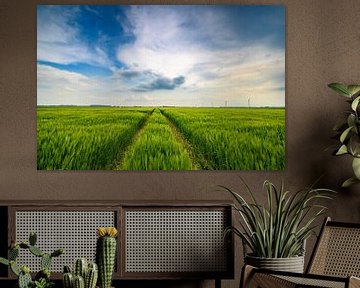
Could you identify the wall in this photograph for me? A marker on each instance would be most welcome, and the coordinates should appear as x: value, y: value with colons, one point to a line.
x: 322, y: 46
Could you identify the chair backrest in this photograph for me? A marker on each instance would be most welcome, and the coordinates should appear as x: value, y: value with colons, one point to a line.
x: 337, y: 251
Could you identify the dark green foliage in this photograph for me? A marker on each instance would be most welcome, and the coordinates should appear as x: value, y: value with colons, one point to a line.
x: 57, y: 252
x: 24, y: 246
x: 349, y: 131
x: 32, y: 239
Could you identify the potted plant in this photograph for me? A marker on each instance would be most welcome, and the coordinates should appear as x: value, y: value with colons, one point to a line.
x: 276, y: 233
x: 42, y: 278
x: 349, y: 132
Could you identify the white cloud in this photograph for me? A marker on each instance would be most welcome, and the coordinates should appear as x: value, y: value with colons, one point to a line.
x: 170, y: 45
x: 213, y: 61
x: 57, y: 86
x: 59, y: 38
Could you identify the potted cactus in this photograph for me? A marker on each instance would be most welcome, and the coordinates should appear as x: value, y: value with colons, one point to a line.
x: 84, y: 275
x: 106, y: 254
x: 42, y: 278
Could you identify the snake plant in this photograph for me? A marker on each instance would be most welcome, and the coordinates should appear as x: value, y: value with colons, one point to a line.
x: 279, y: 228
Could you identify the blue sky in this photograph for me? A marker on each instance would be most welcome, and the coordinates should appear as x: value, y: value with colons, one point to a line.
x: 149, y: 55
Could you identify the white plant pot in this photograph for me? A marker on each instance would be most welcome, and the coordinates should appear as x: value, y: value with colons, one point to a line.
x: 291, y: 264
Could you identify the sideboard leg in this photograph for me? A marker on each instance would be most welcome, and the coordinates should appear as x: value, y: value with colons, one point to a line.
x: 217, y: 283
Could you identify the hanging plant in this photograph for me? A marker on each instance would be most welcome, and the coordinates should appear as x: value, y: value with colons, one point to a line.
x: 349, y: 131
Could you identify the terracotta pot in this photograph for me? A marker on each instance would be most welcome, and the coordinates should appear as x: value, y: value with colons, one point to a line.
x: 291, y: 264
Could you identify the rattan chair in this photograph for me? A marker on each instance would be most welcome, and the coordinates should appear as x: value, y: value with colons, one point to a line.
x: 334, y: 263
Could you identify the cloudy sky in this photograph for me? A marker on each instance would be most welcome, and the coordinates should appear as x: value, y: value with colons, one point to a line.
x: 150, y: 55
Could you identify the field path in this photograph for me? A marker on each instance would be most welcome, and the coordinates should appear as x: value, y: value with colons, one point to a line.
x: 122, y: 153
x: 180, y: 137
x: 158, y: 146
x: 198, y: 160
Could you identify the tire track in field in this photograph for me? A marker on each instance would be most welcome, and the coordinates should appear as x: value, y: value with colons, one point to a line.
x: 120, y: 157
x: 200, y: 163
x: 174, y: 135
x: 180, y: 137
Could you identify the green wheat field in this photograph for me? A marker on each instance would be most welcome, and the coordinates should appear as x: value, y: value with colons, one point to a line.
x: 160, y: 138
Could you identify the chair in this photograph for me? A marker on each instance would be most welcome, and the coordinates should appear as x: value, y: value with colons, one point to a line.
x: 335, y: 262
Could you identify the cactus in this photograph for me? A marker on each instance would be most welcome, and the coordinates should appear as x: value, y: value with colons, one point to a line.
x: 32, y: 238
x: 88, y: 273
x: 45, y: 261
x: 105, y: 254
x: 24, y: 278
x: 80, y: 268
x: 68, y: 280
x: 79, y: 282
x: 36, y: 251
x: 14, y: 268
x: 13, y: 253
x: 91, y: 276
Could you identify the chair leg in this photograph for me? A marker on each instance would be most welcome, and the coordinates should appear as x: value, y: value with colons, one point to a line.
x: 354, y: 282
x: 246, y: 274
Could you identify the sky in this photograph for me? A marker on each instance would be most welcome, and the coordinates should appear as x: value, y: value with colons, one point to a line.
x: 161, y: 55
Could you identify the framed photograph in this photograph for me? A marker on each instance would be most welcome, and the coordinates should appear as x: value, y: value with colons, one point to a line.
x: 160, y: 87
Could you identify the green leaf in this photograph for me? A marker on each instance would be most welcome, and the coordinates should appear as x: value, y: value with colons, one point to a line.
x: 353, y: 89
x: 340, y: 88
x: 351, y: 120
x: 345, y: 134
x: 14, y: 268
x: 354, y: 145
x: 342, y: 150
x: 349, y: 182
x: 355, y: 103
x: 4, y: 261
x: 356, y: 167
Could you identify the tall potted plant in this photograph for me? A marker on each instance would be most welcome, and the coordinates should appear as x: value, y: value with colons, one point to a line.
x: 349, y: 131
x: 276, y: 233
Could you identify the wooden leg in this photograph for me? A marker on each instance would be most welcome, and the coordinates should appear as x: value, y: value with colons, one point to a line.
x: 354, y: 282
x: 246, y: 274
